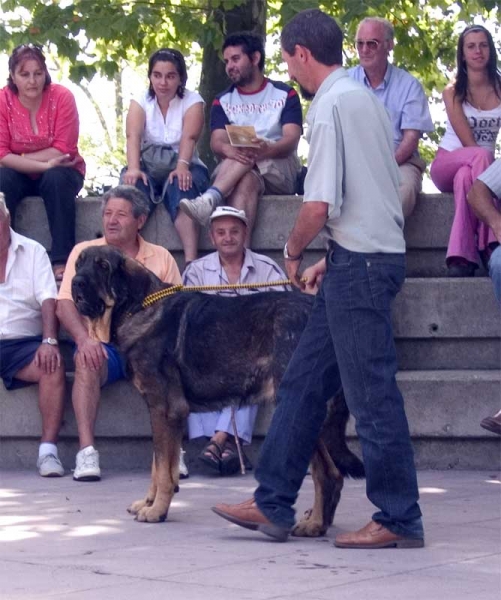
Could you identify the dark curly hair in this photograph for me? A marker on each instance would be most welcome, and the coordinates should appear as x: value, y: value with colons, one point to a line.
x: 249, y: 42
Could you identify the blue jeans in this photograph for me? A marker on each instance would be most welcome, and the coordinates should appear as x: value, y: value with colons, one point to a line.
x: 495, y: 272
x: 348, y: 341
x: 169, y: 193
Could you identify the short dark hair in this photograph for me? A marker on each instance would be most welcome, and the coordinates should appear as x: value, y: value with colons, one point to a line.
x: 249, y: 42
x: 21, y: 54
x: 316, y: 31
x: 140, y: 203
x: 493, y: 74
x: 177, y: 59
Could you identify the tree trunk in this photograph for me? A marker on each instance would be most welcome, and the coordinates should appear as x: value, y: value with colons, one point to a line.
x: 249, y: 16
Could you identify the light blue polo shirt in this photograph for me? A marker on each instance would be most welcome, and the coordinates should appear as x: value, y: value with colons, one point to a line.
x: 352, y: 167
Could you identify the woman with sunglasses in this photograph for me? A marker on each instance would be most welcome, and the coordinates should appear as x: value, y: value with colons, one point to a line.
x: 170, y: 116
x: 473, y: 105
x: 38, y: 147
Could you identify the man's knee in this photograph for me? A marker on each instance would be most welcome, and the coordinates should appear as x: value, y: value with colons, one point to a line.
x: 55, y: 378
x: 86, y: 377
x: 249, y: 184
x: 410, y: 186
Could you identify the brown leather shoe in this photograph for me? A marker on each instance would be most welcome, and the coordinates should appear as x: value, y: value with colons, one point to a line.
x: 247, y: 514
x: 492, y: 424
x: 374, y: 535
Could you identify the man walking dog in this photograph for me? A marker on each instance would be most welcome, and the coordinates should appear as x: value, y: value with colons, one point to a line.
x: 349, y: 336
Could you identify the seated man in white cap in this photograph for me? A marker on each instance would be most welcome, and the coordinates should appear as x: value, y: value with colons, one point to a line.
x: 231, y: 263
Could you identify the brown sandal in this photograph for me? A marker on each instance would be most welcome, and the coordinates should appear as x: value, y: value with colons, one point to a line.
x: 211, y: 455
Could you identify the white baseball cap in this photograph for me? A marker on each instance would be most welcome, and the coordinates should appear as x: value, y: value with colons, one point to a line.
x: 228, y: 211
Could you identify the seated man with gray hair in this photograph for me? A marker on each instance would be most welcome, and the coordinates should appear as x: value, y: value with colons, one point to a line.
x: 231, y: 263
x: 29, y: 351
x: 97, y: 362
x: 403, y: 97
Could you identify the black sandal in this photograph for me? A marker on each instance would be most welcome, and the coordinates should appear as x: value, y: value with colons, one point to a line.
x: 214, y: 452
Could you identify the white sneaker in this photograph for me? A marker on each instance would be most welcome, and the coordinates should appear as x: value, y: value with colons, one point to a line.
x: 199, y: 209
x: 49, y: 465
x: 183, y: 469
x: 87, y: 465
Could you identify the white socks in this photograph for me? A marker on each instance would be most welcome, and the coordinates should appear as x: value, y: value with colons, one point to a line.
x: 47, y: 448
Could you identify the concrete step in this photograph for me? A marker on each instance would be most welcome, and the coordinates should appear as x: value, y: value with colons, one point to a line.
x: 443, y: 407
x: 426, y: 230
x: 449, y: 351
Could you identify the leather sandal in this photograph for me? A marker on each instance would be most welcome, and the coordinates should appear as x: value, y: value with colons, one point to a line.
x: 230, y: 461
x: 211, y: 455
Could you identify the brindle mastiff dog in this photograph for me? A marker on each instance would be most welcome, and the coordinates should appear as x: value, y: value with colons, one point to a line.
x: 199, y: 352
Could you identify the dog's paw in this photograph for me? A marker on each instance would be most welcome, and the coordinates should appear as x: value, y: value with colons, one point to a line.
x: 135, y: 507
x: 309, y: 527
x: 151, y: 515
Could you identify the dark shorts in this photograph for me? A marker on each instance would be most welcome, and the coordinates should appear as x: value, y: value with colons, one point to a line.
x: 116, y: 365
x: 14, y: 355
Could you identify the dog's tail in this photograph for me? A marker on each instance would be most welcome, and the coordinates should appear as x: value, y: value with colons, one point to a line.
x: 350, y: 465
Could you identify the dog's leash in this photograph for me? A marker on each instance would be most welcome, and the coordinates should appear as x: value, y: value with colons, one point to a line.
x: 156, y: 296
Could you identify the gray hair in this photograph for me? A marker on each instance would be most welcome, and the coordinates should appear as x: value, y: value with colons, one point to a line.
x: 140, y: 203
x: 389, y: 31
x: 3, y: 206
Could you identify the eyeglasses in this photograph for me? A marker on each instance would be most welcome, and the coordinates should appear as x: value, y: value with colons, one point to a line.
x: 372, y: 45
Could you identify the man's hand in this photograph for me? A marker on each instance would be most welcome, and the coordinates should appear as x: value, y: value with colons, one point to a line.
x: 47, y: 358
x: 246, y: 156
x: 292, y: 268
x: 91, y: 355
x: 314, y: 276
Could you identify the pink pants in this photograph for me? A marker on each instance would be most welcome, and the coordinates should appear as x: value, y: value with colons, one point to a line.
x: 456, y: 171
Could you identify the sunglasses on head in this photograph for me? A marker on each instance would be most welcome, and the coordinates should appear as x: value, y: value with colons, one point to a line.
x: 29, y: 46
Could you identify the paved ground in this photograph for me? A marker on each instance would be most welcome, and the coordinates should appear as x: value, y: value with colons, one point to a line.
x: 62, y: 539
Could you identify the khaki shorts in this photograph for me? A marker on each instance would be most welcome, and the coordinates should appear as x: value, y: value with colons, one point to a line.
x: 276, y: 176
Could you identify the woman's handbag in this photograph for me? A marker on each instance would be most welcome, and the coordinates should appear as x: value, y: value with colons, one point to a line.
x: 158, y: 160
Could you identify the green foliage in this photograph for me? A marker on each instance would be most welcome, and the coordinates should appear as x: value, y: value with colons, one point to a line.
x: 101, y: 36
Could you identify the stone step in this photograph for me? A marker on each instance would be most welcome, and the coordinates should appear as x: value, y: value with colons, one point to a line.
x: 426, y: 230
x: 437, y: 325
x: 444, y: 408
x: 449, y: 351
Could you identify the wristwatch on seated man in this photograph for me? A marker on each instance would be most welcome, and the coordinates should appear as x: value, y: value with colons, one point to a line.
x: 288, y: 256
x: 51, y: 341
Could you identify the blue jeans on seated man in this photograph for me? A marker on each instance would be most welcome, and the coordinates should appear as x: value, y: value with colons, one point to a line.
x: 348, y: 340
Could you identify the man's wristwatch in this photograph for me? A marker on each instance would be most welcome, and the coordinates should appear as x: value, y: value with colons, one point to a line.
x: 50, y: 341
x: 287, y: 256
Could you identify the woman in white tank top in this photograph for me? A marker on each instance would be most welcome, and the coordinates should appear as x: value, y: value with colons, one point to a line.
x: 473, y: 105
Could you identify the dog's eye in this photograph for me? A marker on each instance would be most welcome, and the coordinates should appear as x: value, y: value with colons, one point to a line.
x: 103, y: 264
